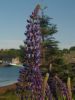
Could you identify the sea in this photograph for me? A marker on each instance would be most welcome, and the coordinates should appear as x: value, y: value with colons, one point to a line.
x: 8, y: 75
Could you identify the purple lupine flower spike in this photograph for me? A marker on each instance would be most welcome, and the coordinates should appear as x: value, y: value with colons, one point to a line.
x: 30, y: 78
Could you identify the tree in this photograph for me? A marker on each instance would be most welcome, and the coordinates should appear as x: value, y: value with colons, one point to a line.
x: 65, y: 51
x: 72, y: 48
x: 22, y: 53
x: 8, y: 54
x: 49, y: 45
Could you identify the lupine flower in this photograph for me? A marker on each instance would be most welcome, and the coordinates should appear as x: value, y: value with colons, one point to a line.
x: 30, y: 78
x: 63, y: 88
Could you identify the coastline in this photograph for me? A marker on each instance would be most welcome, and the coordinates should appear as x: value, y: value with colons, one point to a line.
x: 8, y: 79
x: 4, y: 89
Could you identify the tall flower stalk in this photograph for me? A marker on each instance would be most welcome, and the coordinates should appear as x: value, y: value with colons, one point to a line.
x: 30, y: 79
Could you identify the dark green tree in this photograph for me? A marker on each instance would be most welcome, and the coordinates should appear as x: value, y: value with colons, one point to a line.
x: 65, y: 51
x: 22, y: 53
x: 72, y: 48
x: 49, y: 44
x: 8, y: 54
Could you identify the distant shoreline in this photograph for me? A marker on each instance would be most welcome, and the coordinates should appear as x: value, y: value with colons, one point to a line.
x: 11, y: 65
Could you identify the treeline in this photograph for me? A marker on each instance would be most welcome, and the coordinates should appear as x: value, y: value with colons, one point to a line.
x: 8, y: 54
x: 65, y: 50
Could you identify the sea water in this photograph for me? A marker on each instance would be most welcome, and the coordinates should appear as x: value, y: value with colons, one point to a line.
x: 8, y: 75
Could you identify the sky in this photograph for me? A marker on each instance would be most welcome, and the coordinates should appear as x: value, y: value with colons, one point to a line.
x: 14, y: 13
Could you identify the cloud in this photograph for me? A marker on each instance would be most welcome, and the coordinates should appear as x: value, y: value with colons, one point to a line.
x: 7, y: 44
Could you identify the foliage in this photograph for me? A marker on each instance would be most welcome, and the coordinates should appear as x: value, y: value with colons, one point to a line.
x: 22, y: 53
x: 65, y: 50
x: 49, y: 44
x: 72, y: 48
x: 8, y: 54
